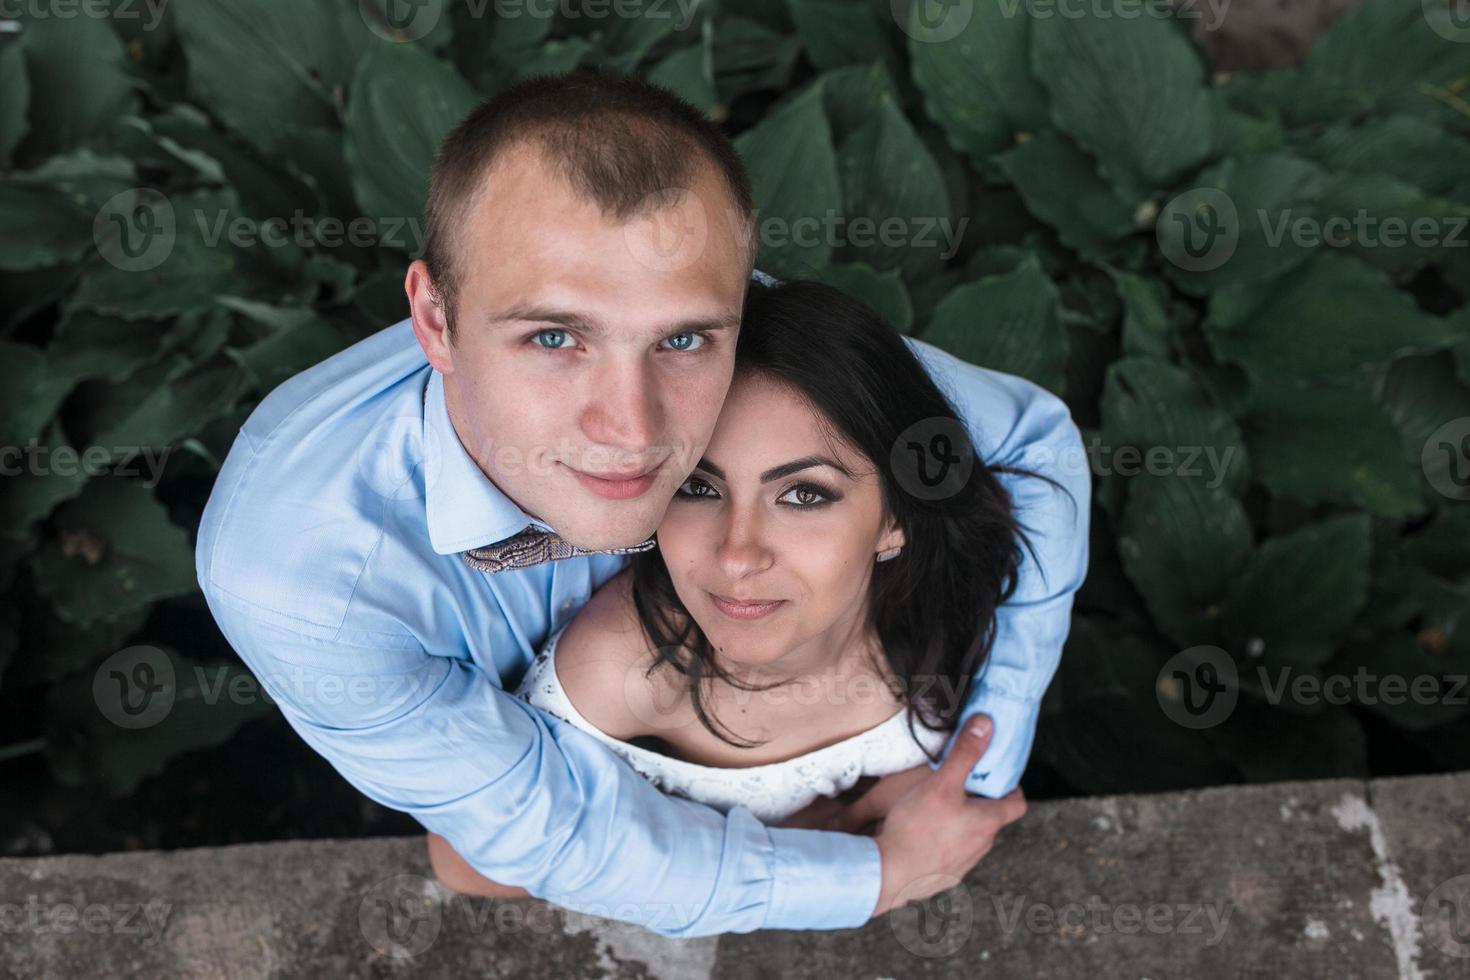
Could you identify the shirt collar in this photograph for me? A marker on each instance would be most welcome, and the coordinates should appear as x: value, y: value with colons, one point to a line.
x: 465, y: 509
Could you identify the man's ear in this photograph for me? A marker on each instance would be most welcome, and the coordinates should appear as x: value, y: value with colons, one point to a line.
x: 430, y: 325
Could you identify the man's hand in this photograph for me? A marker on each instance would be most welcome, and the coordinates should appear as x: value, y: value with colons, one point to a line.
x: 934, y: 832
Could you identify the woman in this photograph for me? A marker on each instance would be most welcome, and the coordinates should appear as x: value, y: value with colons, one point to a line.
x: 812, y: 616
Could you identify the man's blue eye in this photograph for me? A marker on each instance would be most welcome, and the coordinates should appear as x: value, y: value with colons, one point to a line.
x: 543, y: 333
x: 685, y: 337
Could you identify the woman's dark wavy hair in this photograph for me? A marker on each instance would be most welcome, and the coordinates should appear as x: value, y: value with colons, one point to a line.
x: 934, y: 605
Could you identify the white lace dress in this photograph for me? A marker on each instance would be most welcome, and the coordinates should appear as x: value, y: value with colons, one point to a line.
x: 773, y: 791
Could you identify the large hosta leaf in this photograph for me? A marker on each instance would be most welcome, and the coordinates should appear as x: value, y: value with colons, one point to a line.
x: 1131, y: 90
x: 77, y: 78
x: 1333, y: 317
x: 403, y: 102
x: 889, y: 180
x: 1181, y: 542
x: 977, y: 82
x: 266, y: 67
x: 1009, y: 323
x: 1303, y: 586
x: 42, y: 227
x: 1163, y: 412
x: 115, y: 550
x: 793, y: 173
x: 15, y: 99
x: 1062, y: 187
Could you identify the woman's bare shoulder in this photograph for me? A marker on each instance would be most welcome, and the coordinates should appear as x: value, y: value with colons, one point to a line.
x: 601, y: 659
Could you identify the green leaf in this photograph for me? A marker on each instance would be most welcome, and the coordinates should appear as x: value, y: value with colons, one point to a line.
x: 1404, y: 147
x: 1008, y: 323
x: 167, y: 255
x: 1131, y: 91
x: 688, y: 73
x: 88, y: 179
x: 750, y: 57
x: 850, y: 95
x: 1422, y: 394
x: 1181, y: 543
x: 298, y: 339
x: 1385, y: 57
x: 116, y: 551
x: 1393, y: 226
x: 1146, y: 322
x: 403, y: 102
x: 168, y: 412
x: 1061, y: 186
x: 29, y: 393
x: 1408, y: 685
x: 15, y: 97
x: 205, y: 704
x: 44, y: 474
x: 793, y: 173
x: 266, y: 67
x: 977, y: 83
x: 42, y: 228
x: 1256, y: 204
x: 883, y: 291
x: 1333, y: 317
x: 839, y: 32
x: 79, y: 82
x: 1302, y: 586
x: 1331, y: 441
x: 1162, y: 411
x: 890, y: 181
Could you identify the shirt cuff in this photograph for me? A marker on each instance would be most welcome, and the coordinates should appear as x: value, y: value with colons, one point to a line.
x: 822, y: 879
x: 999, y: 769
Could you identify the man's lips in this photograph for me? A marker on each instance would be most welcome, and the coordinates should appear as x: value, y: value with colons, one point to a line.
x: 617, y: 487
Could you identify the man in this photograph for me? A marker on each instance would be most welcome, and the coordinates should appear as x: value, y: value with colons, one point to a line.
x: 397, y: 530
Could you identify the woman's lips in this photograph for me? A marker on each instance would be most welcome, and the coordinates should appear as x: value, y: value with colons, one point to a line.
x: 745, y: 610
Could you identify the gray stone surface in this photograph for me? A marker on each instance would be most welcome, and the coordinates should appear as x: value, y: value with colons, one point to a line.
x: 1335, y: 879
x: 1252, y: 35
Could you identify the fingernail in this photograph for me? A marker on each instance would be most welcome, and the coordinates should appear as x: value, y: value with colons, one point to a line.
x: 980, y: 727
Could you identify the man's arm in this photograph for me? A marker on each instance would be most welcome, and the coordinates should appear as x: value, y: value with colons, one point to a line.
x: 531, y: 801
x: 1015, y: 422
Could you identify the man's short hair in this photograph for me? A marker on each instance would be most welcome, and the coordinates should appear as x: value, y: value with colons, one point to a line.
x: 619, y: 141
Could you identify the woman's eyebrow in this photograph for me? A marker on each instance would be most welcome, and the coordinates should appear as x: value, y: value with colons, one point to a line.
x: 785, y: 469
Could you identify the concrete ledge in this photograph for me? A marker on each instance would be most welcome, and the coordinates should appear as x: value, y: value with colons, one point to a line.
x: 1334, y: 879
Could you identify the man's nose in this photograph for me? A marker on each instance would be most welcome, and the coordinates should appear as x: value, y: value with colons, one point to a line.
x: 623, y: 409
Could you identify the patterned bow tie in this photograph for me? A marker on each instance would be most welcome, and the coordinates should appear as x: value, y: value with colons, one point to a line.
x: 534, y: 546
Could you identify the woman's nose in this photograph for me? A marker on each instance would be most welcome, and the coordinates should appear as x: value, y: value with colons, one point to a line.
x: 743, y: 548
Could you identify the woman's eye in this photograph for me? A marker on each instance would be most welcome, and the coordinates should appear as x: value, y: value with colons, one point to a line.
x: 808, y: 497
x: 686, y: 341
x: 691, y: 482
x: 550, y: 333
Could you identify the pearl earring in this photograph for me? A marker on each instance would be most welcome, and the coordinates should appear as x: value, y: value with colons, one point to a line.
x: 890, y: 553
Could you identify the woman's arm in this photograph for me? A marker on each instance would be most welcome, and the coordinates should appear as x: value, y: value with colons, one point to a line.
x: 456, y: 874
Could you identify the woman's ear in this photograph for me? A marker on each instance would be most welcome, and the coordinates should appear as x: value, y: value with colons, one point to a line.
x: 892, y: 538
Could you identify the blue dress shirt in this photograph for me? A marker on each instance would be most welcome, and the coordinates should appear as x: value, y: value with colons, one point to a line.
x: 329, y: 555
